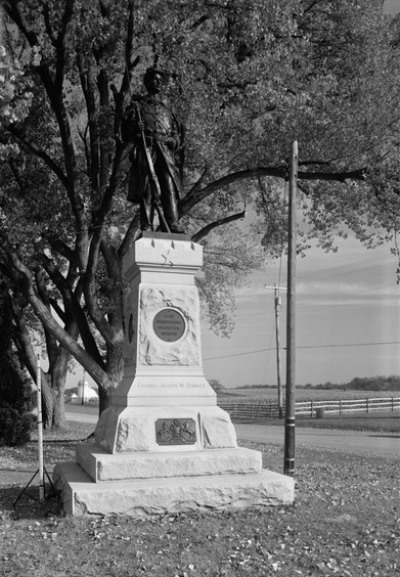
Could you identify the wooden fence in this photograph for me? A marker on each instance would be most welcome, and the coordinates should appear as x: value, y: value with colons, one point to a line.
x: 257, y: 410
x: 319, y: 408
x: 251, y: 410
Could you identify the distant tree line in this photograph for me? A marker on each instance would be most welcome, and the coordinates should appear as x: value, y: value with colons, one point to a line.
x: 380, y: 383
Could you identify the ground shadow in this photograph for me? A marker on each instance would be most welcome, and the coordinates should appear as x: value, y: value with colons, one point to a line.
x: 19, y: 502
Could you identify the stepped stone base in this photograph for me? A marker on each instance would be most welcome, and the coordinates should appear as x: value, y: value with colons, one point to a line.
x: 102, y: 466
x: 141, y: 498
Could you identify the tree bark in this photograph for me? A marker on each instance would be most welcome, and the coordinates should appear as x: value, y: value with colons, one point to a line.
x: 104, y: 399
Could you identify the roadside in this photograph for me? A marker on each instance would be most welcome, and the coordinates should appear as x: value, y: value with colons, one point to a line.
x: 349, y: 442
x: 353, y: 442
x: 367, y: 444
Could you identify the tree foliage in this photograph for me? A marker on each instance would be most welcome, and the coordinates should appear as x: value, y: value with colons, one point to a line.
x: 247, y: 77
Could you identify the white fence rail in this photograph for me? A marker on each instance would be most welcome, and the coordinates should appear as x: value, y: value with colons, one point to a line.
x: 254, y: 410
x: 367, y: 405
x: 250, y: 410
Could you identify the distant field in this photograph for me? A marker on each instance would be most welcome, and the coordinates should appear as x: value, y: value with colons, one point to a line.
x: 380, y: 422
x: 270, y: 395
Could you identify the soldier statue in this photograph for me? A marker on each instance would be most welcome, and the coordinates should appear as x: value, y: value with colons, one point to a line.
x: 154, y: 181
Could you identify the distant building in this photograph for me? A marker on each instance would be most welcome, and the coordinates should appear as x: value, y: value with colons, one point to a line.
x: 85, y: 393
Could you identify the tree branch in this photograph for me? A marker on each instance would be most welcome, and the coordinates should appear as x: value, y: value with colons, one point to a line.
x: 221, y: 221
x: 32, y: 146
x: 113, y: 264
x: 60, y: 45
x: 196, y: 196
x: 42, y: 289
x: 130, y: 236
x: 74, y: 307
x: 54, y: 91
x: 23, y: 343
x: 23, y: 277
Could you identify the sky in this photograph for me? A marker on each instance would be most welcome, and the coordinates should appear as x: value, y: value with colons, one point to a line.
x: 347, y: 321
x: 392, y: 6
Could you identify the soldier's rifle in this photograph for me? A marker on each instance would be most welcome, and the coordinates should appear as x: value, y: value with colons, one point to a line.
x: 154, y: 183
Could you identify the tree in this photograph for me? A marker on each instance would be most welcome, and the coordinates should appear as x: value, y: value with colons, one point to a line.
x: 248, y: 76
x: 16, y: 399
x: 216, y: 385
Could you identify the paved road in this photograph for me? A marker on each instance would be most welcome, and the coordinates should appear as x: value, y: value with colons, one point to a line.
x: 80, y: 414
x: 373, y: 444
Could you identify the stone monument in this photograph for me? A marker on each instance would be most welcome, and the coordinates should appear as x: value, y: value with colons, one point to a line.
x: 164, y: 445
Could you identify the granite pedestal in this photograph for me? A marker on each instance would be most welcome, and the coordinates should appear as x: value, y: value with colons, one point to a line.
x: 164, y: 445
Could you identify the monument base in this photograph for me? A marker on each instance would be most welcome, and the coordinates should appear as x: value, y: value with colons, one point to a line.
x: 140, y: 498
x: 102, y: 466
x: 128, y: 429
x: 164, y: 445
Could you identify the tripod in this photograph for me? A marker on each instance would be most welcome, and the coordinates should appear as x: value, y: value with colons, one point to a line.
x: 42, y: 488
x: 41, y: 470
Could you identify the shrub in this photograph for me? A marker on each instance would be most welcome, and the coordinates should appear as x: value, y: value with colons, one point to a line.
x: 14, y: 427
x: 16, y: 399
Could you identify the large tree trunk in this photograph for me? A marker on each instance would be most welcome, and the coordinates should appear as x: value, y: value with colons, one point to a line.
x: 47, y: 402
x: 104, y: 399
x: 59, y: 370
x: 59, y: 418
x: 115, y: 374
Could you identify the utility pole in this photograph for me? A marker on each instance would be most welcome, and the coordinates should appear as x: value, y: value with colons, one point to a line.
x: 277, y: 301
x: 289, y: 450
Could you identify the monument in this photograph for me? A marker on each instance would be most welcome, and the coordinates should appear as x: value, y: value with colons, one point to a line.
x: 164, y: 445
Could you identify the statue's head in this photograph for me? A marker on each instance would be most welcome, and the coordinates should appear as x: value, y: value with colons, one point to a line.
x: 154, y: 79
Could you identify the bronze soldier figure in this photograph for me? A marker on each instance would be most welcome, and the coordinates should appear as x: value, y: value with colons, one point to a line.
x: 154, y: 181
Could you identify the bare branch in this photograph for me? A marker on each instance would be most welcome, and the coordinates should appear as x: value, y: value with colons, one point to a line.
x: 130, y: 235
x: 23, y: 277
x: 196, y: 196
x: 32, y: 146
x: 49, y: 30
x: 221, y: 221
x: 74, y: 307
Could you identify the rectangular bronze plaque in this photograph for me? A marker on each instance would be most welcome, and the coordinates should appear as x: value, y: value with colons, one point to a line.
x: 175, y: 432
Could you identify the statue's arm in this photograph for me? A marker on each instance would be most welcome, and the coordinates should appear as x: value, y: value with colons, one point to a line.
x: 174, y: 140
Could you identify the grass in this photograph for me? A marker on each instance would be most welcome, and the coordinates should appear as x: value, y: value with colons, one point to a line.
x: 380, y: 422
x: 345, y: 522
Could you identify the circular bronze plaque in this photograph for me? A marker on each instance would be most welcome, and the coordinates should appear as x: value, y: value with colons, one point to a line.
x: 169, y: 325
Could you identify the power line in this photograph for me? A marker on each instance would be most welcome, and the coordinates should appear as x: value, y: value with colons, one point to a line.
x: 304, y: 347
x: 348, y: 345
x: 239, y: 354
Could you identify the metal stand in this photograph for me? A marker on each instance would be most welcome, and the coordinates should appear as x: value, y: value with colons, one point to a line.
x: 24, y: 490
x: 41, y: 470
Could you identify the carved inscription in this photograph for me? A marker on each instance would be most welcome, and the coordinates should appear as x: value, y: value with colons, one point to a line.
x: 171, y: 385
x: 169, y: 325
x: 175, y: 432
